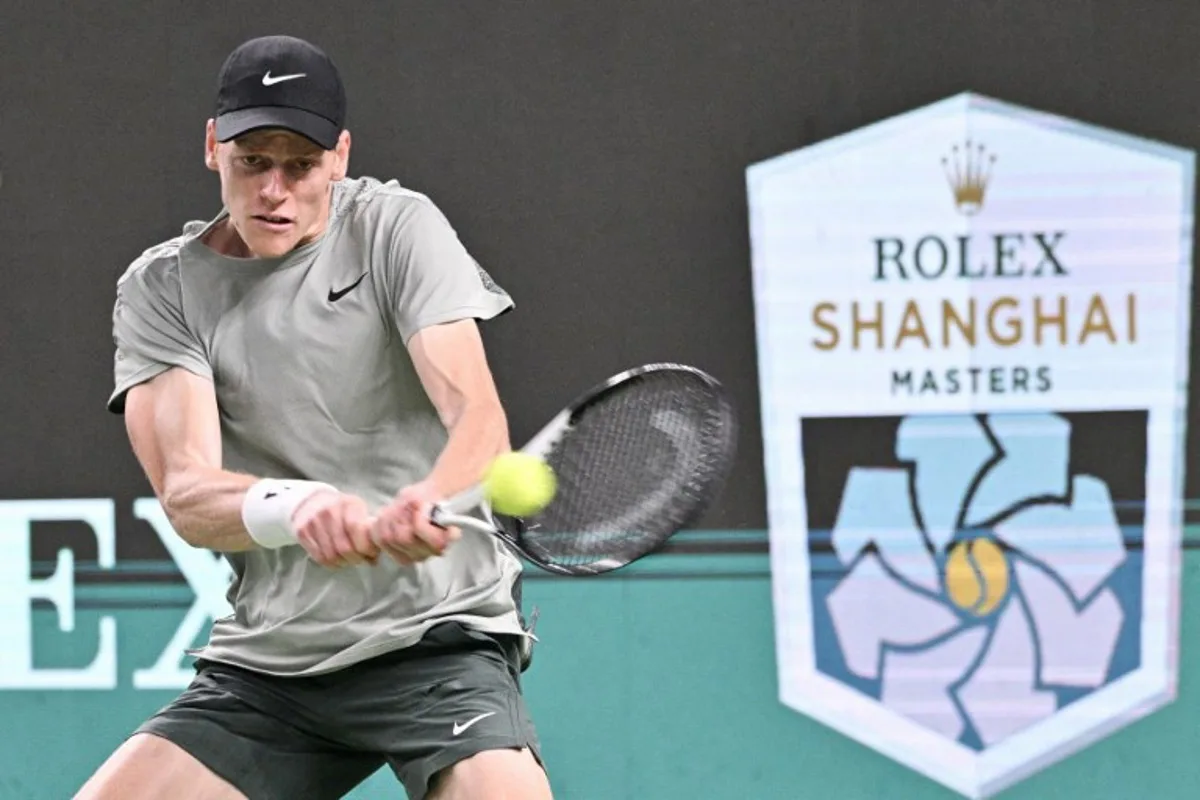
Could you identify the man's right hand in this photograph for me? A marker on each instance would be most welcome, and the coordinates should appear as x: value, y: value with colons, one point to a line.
x: 335, y: 529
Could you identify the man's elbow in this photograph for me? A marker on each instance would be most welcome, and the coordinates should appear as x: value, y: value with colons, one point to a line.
x: 183, y: 525
x: 177, y: 500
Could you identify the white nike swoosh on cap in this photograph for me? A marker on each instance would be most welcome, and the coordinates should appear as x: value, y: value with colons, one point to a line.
x: 269, y: 81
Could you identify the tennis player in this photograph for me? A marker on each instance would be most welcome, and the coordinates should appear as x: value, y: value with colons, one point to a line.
x: 301, y: 377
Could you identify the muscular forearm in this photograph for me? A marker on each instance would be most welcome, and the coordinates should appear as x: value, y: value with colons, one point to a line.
x: 477, y: 435
x: 204, y: 505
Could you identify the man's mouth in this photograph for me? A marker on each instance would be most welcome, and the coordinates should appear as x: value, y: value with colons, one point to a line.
x: 273, y: 219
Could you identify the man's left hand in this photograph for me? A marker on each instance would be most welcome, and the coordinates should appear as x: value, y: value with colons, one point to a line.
x: 403, y: 530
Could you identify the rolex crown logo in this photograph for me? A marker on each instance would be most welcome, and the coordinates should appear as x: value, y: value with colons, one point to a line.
x: 968, y: 169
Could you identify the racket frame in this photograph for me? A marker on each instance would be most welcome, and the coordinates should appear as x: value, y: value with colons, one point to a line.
x: 452, y: 512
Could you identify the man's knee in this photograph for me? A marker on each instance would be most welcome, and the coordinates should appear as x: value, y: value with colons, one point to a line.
x: 494, y: 775
x: 150, y: 767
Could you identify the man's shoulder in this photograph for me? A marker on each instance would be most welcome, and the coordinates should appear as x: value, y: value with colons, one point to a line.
x: 158, y: 264
x: 377, y: 202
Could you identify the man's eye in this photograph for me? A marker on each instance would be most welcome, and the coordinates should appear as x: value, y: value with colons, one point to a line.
x: 252, y: 161
x: 305, y: 166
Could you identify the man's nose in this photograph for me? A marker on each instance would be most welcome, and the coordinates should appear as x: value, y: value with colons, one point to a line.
x: 274, y: 189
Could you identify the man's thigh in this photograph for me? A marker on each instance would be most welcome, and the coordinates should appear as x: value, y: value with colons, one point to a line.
x: 232, y: 733
x: 493, y: 775
x: 147, y: 766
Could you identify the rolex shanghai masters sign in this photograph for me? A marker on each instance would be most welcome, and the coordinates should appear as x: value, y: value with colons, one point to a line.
x: 972, y: 324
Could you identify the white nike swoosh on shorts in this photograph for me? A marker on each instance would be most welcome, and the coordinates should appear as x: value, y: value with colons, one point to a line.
x: 460, y: 728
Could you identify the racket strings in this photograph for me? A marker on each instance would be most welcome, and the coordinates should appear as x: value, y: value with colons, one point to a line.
x: 638, y: 464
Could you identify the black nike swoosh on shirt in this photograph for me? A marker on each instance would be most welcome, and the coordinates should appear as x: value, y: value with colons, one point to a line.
x: 340, y: 293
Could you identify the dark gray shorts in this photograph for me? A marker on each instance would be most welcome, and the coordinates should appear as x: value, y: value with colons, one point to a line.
x: 418, y: 710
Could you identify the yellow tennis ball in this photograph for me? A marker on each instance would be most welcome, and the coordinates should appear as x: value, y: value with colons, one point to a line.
x: 518, y: 484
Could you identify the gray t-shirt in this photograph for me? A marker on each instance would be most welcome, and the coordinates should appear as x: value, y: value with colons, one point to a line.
x: 313, y: 381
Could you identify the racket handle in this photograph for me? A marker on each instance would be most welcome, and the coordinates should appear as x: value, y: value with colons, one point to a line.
x: 462, y: 502
x: 437, y: 515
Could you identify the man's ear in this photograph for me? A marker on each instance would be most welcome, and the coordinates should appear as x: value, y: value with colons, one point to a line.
x: 342, y: 154
x: 210, y: 145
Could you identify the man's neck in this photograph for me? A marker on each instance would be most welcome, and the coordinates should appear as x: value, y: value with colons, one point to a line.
x: 225, y: 240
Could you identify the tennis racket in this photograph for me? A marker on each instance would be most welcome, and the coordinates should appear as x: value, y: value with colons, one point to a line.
x: 637, y: 458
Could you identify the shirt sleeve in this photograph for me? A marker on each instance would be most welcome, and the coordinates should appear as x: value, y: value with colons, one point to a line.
x: 149, y: 330
x: 430, y: 276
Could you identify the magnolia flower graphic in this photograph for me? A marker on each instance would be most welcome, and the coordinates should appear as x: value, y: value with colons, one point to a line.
x: 977, y: 597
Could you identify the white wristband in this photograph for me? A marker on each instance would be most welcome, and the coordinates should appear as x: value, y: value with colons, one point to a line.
x: 268, y: 507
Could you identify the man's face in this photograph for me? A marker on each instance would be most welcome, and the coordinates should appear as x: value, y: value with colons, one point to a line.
x: 275, y: 185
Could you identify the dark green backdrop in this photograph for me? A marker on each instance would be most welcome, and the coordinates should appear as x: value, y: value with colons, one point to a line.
x: 592, y: 156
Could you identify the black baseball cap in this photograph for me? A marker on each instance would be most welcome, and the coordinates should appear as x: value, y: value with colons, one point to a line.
x: 280, y: 82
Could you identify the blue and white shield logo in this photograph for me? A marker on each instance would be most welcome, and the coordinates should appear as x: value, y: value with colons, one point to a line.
x: 983, y: 581
x: 972, y: 327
